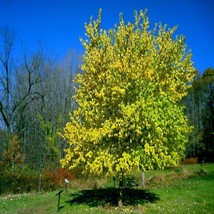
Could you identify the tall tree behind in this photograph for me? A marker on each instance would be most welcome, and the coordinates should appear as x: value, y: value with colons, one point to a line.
x: 7, y: 37
x: 29, y: 96
x: 208, y: 122
x: 44, y: 117
x: 35, y: 98
x: 200, y: 110
x: 12, y: 102
x: 194, y: 103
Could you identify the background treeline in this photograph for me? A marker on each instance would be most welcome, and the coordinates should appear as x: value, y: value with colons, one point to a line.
x: 200, y: 112
x: 35, y: 101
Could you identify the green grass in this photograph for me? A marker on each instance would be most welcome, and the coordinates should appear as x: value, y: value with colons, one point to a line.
x: 192, y: 195
x: 185, y: 189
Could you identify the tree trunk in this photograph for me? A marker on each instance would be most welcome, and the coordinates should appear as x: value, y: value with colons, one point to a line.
x: 143, y: 179
x: 120, y: 195
x: 12, y: 167
x: 40, y: 183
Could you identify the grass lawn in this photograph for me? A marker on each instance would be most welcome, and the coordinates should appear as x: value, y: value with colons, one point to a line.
x: 186, y: 189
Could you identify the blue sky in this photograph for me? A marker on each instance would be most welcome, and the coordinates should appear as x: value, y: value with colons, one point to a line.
x: 58, y: 24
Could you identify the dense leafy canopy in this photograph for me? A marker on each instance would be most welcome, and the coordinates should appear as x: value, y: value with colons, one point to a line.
x: 129, y: 114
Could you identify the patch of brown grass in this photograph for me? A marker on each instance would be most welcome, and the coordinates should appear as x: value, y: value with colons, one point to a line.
x: 192, y: 160
x: 161, y: 178
x: 89, y: 183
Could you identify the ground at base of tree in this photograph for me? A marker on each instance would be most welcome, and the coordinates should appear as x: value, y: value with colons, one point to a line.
x: 192, y: 193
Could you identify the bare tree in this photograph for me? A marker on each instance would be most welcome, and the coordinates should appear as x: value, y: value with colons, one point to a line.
x: 35, y: 101
x: 6, y: 70
x: 45, y: 111
x: 18, y: 87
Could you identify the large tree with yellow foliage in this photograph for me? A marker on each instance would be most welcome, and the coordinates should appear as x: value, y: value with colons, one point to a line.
x: 129, y: 114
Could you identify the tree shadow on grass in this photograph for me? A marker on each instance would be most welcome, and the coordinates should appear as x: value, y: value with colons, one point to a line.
x: 109, y: 196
